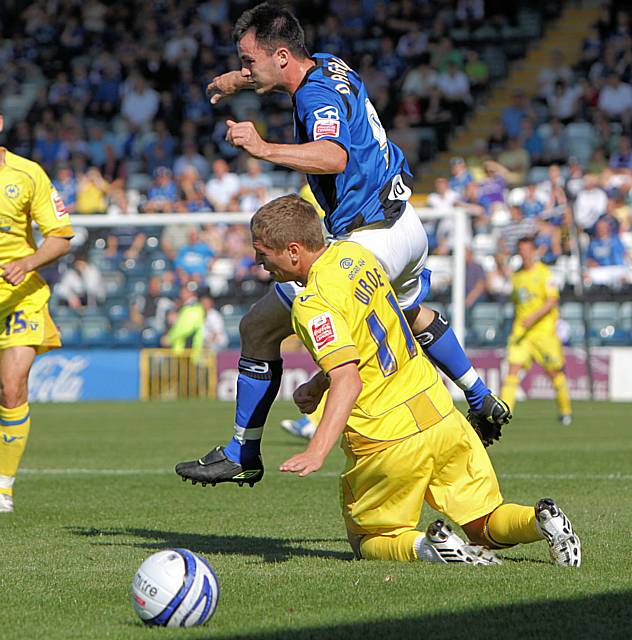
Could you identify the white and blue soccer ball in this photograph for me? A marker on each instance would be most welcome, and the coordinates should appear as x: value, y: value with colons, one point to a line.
x: 175, y: 588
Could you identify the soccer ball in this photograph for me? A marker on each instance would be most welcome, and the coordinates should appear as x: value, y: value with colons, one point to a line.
x: 175, y: 588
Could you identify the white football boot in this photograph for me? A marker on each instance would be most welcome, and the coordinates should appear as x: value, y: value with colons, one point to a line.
x: 565, y: 548
x: 302, y: 427
x: 440, y: 544
x: 6, y: 503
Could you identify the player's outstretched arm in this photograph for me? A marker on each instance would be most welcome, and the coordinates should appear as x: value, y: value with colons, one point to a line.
x: 225, y: 85
x: 50, y: 250
x: 344, y: 390
x: 319, y: 157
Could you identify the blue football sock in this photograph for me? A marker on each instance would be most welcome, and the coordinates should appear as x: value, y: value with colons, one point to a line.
x: 440, y: 344
x: 257, y: 386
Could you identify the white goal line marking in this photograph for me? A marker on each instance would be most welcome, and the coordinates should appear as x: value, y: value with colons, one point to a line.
x: 327, y: 474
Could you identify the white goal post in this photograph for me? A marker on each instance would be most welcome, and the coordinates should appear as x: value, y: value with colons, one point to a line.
x: 165, y: 219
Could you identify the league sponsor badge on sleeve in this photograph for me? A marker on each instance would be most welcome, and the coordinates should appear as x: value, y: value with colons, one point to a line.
x: 326, y: 129
x: 58, y: 204
x: 322, y: 330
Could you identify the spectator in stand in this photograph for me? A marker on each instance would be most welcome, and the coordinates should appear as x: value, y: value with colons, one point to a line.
x: 66, y: 186
x: 621, y: 159
x: 532, y: 141
x: 222, y: 189
x: 139, y: 103
x: 160, y: 150
x: 491, y: 191
x: 419, y: 80
x: 563, y: 103
x: 92, y: 192
x: 615, y: 100
x: 460, y: 176
x: 548, y: 241
x: 499, y: 286
x: 81, y: 285
x: 215, y: 336
x: 192, y: 192
x: 193, y: 261
x: 151, y: 308
x: 191, y: 157
x: 497, y: 140
x: 163, y: 195
x: 555, y: 143
x: 455, y: 89
x: 47, y: 148
x: 605, y: 248
x: 591, y: 203
x: 475, y: 281
x: 517, y: 162
x: 513, y: 115
x: 557, y: 71
x: 477, y: 72
x: 532, y: 206
x: 518, y: 227
x: 443, y: 198
x: 254, y: 186
x: 106, y: 96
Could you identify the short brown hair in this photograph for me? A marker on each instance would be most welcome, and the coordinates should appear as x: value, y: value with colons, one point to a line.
x: 287, y: 219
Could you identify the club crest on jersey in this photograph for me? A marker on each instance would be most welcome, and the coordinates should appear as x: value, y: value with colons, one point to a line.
x: 58, y: 204
x: 12, y: 191
x: 328, y: 128
x: 346, y: 263
x: 322, y: 330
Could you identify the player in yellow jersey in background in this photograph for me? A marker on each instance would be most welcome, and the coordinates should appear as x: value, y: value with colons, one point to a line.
x: 26, y: 328
x: 534, y: 333
x: 402, y: 446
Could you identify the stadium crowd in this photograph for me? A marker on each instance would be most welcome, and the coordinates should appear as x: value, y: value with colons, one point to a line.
x: 109, y: 98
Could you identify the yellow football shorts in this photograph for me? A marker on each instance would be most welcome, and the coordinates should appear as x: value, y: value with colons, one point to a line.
x: 25, y: 327
x: 546, y: 350
x: 445, y: 465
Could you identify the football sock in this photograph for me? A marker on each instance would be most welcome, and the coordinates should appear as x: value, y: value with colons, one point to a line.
x: 440, y: 344
x: 511, y: 524
x: 509, y: 390
x: 561, y: 391
x: 15, y: 425
x: 400, y: 548
x: 258, y: 383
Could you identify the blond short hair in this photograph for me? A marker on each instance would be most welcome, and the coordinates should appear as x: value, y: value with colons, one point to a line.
x: 287, y: 219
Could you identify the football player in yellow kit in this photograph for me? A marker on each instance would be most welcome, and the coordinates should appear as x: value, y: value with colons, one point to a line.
x: 402, y: 446
x: 26, y: 328
x: 534, y: 333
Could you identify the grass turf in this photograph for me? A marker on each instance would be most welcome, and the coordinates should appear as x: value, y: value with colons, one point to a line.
x: 97, y: 495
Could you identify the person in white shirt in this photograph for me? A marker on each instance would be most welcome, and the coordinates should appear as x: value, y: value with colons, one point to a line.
x: 140, y: 102
x: 215, y: 336
x: 254, y: 186
x: 615, y: 100
x: 222, y: 189
x: 591, y: 203
x: 81, y: 285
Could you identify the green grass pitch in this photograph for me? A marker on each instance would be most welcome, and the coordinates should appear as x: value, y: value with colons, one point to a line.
x: 97, y: 495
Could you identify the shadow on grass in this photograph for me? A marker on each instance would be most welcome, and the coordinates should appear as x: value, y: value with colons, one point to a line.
x: 603, y: 615
x: 268, y: 549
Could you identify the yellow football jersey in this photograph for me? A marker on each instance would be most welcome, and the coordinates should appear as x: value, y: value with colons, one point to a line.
x: 26, y: 195
x: 531, y: 289
x: 348, y: 312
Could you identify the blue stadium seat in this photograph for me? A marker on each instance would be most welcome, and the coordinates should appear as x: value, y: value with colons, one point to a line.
x: 117, y: 309
x: 127, y: 338
x: 137, y: 285
x: 150, y: 337
x: 134, y: 268
x: 114, y: 283
x: 70, y: 332
x: 96, y: 332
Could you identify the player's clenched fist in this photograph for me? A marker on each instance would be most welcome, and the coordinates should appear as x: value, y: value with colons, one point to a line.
x: 14, y: 272
x: 226, y: 85
x: 245, y: 136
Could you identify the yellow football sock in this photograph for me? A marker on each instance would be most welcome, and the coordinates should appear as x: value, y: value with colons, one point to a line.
x: 561, y: 391
x: 15, y: 425
x: 511, y: 524
x: 509, y: 390
x: 398, y: 548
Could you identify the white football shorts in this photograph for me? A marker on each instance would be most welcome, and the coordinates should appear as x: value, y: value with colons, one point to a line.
x: 401, y: 249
